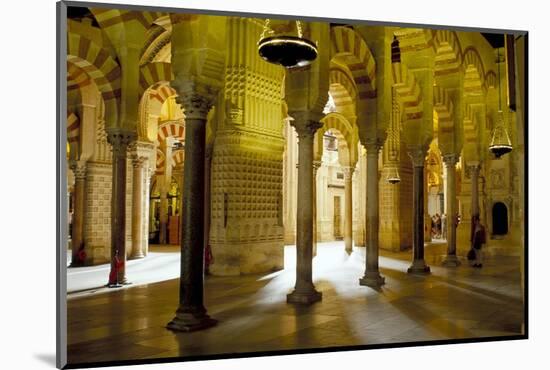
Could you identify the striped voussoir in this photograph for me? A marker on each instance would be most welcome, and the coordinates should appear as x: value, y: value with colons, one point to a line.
x: 73, y: 128
x: 444, y: 108
x: 155, y: 73
x: 177, y: 157
x: 407, y: 91
x: 97, y: 63
x: 342, y: 88
x: 448, y: 52
x: 112, y: 17
x: 350, y: 46
x: 174, y: 129
x: 76, y: 77
x: 160, y: 162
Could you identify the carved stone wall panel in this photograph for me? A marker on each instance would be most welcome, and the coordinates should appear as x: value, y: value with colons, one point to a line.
x: 247, y: 178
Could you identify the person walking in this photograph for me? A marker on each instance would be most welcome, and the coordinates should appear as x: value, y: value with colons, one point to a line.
x: 478, y: 239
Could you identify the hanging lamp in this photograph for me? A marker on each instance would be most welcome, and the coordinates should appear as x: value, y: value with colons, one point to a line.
x: 393, y: 174
x: 286, y: 46
x: 500, y: 143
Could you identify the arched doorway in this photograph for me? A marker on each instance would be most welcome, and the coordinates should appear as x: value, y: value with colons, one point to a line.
x: 500, y: 219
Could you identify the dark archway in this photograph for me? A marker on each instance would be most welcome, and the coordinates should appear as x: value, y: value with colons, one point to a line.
x: 500, y: 219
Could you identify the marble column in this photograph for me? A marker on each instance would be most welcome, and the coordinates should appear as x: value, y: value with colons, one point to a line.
x: 348, y: 219
x: 450, y: 161
x: 119, y: 139
x: 77, y: 237
x: 304, y: 290
x: 418, y: 265
x: 372, y: 276
x: 138, y: 213
x: 191, y: 314
x: 316, y: 166
x: 474, y: 175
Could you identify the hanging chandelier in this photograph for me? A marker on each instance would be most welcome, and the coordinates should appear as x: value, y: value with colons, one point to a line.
x: 393, y: 173
x: 286, y: 47
x: 393, y: 176
x: 500, y: 143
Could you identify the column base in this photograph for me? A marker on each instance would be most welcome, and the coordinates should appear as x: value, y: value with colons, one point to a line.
x: 188, y: 322
x: 372, y: 279
x: 308, y: 297
x: 136, y: 256
x: 451, y: 260
x: 419, y: 267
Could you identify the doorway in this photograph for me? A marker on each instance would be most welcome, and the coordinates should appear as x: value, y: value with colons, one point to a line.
x: 500, y: 219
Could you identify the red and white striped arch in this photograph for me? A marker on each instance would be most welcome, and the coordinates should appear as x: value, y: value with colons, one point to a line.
x: 174, y: 129
x: 349, y: 47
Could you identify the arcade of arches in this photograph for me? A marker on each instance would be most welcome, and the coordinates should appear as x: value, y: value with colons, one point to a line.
x: 179, y: 133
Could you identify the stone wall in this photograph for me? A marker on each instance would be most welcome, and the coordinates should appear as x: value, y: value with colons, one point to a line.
x: 246, y: 231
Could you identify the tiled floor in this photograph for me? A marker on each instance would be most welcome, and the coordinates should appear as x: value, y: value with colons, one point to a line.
x: 253, y: 315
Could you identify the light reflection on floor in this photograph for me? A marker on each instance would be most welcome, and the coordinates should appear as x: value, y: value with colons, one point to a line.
x: 253, y: 314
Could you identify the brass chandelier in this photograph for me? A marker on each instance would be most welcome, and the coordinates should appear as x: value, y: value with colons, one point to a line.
x: 500, y: 143
x: 287, y: 47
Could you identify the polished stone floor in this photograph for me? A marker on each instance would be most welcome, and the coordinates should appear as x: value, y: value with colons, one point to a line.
x: 162, y: 263
x: 253, y: 314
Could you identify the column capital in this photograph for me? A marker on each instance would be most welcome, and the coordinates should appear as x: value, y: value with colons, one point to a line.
x: 348, y: 172
x: 473, y: 165
x: 316, y: 165
x: 195, y: 98
x: 141, y: 152
x: 120, y: 138
x: 78, y: 168
x: 305, y: 123
x: 373, y: 145
x: 451, y: 159
x: 418, y: 155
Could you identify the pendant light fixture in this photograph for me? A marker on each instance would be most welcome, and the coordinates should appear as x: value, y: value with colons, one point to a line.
x: 286, y: 46
x: 500, y: 143
x: 393, y: 174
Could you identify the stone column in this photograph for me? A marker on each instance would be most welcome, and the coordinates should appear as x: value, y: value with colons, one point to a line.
x: 304, y: 290
x: 191, y: 314
x: 474, y: 175
x: 348, y: 219
x: 138, y: 213
x: 149, y: 173
x: 418, y: 265
x: 450, y: 162
x: 119, y: 138
x: 372, y: 274
x: 77, y: 237
x: 316, y: 165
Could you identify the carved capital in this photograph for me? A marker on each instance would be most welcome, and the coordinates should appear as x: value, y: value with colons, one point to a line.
x: 451, y: 159
x: 418, y: 156
x: 305, y: 123
x: 196, y: 98
x: 79, y: 169
x: 348, y: 172
x: 120, y: 139
x: 141, y: 153
x: 316, y: 165
x: 373, y: 145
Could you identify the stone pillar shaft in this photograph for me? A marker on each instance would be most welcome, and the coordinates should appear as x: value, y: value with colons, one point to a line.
x: 348, y: 219
x: 119, y: 139
x: 372, y: 274
x: 304, y: 290
x: 450, y: 162
x: 77, y: 237
x: 474, y: 172
x: 191, y: 313
x: 138, y: 213
x: 418, y: 264
x: 316, y: 166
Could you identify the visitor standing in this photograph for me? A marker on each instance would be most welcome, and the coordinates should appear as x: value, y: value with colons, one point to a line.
x: 478, y: 239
